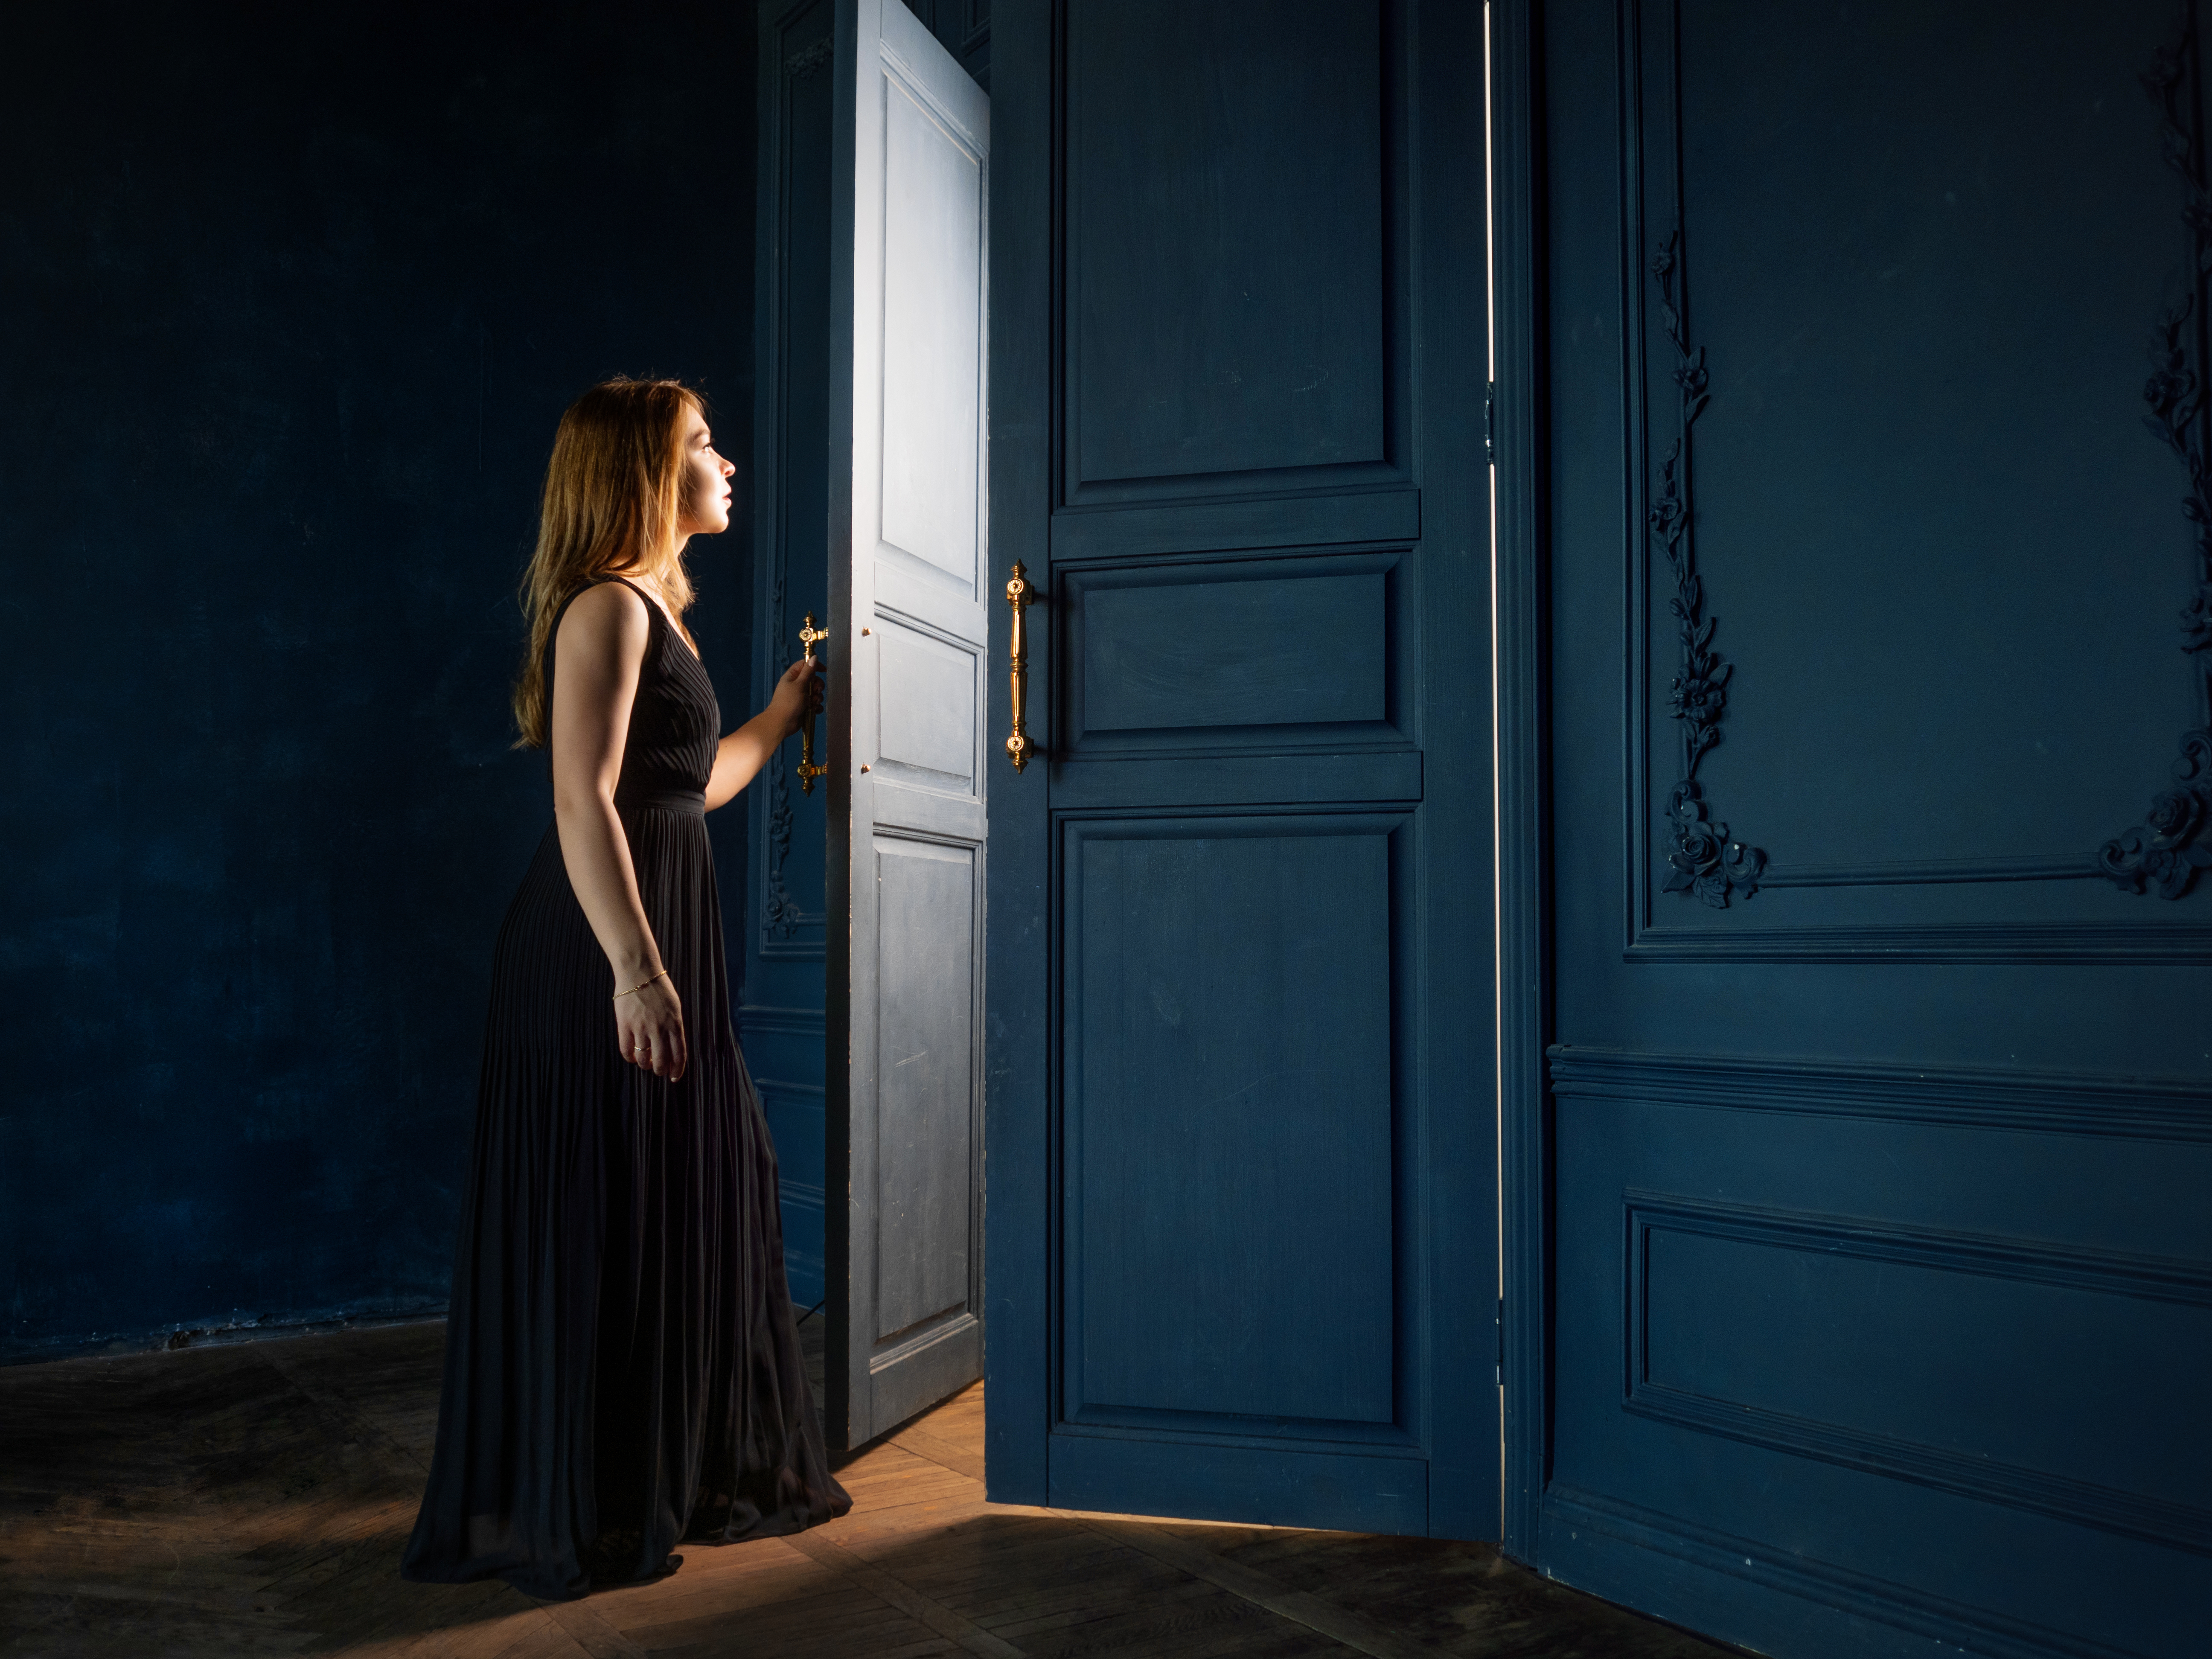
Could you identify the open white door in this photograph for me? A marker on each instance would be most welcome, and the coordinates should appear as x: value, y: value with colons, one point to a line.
x: 908, y: 587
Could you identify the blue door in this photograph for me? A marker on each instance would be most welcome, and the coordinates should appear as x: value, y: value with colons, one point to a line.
x: 1241, y: 1164
x: 863, y: 984
x: 1877, y: 1182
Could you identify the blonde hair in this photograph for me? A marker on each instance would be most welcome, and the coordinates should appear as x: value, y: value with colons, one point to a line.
x: 613, y: 490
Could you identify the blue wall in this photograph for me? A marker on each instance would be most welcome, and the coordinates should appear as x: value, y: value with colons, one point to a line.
x: 293, y: 297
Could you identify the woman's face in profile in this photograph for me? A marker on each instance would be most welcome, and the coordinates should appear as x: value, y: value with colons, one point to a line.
x: 706, y: 501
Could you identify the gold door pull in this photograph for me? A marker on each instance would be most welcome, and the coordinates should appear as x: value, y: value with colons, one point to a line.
x: 809, y: 637
x: 1020, y: 595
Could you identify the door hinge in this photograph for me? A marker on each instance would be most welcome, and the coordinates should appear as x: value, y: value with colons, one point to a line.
x: 1501, y: 1341
x: 1490, y: 422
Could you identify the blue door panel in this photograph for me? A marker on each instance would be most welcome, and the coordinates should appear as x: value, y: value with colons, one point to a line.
x: 1241, y: 1130
x: 1299, y: 650
x: 1259, y: 1483
x: 1243, y: 646
x: 1226, y: 307
x: 1229, y: 1130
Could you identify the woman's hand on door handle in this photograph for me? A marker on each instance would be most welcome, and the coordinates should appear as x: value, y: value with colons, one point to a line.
x: 741, y: 755
x: 793, y: 696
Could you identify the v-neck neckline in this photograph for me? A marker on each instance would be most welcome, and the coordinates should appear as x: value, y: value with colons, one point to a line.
x: 662, y: 611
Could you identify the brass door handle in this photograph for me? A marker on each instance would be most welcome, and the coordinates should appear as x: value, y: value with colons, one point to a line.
x: 1020, y: 595
x: 809, y: 637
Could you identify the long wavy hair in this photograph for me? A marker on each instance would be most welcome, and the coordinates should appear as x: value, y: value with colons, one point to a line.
x: 613, y: 490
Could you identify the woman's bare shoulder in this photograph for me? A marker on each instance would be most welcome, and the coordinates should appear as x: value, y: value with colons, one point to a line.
x: 606, y: 614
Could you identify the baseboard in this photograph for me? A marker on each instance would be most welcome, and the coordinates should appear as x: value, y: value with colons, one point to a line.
x: 224, y: 1330
x: 1739, y: 1591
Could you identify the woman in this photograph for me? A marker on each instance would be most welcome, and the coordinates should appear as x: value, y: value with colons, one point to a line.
x: 622, y: 1367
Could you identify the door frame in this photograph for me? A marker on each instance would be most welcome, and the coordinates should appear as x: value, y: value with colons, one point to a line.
x: 1524, y: 877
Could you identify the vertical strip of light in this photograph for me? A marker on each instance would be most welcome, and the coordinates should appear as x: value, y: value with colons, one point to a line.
x: 1497, y: 781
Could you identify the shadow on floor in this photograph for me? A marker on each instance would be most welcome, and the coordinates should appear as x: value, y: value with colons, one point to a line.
x: 255, y: 1499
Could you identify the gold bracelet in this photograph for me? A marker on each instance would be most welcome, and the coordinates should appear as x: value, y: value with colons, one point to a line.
x: 640, y: 986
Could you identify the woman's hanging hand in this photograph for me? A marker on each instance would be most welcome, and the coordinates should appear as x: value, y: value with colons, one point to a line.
x: 788, y: 706
x: 649, y: 1029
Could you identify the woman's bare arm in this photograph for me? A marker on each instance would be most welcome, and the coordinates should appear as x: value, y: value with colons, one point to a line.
x: 597, y: 655
x: 740, y: 755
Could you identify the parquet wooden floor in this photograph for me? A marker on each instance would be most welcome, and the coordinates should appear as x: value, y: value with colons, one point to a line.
x: 254, y: 1499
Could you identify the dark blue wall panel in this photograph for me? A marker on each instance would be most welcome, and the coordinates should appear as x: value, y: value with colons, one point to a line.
x: 1881, y: 1268
x: 294, y: 297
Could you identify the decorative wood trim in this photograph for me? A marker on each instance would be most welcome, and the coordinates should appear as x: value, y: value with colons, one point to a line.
x: 1076, y: 740
x: 783, y: 918
x: 2135, y: 1515
x: 800, y: 1262
x: 2173, y: 843
x: 2176, y: 1526
x: 2166, y: 852
x: 1986, y: 1256
x: 1789, y: 1572
x: 1703, y: 861
x: 769, y: 1021
x: 1311, y: 518
x: 783, y: 923
x: 776, y: 1086
x: 1927, y: 872
x: 2117, y: 943
x: 2050, y: 1102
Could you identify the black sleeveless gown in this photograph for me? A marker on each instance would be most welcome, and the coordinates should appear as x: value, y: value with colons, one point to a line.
x: 622, y: 1370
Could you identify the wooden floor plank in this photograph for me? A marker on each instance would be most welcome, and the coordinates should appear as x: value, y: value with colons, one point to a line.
x: 894, y: 1589
x: 255, y: 1499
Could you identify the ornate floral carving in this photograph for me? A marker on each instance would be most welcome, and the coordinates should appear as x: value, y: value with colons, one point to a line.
x: 808, y: 61
x: 1702, y: 861
x: 780, y: 916
x: 2173, y: 842
x: 2171, y: 846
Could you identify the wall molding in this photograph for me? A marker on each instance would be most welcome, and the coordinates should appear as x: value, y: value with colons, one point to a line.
x: 781, y: 1021
x: 2039, y: 1101
x: 2165, y: 853
x: 1823, y: 1583
x: 784, y: 927
x: 2157, y: 1521
x: 802, y: 1264
x: 1914, y: 872
x: 1704, y: 862
x: 2131, y: 943
x: 2109, y: 1273
x: 776, y: 1086
x: 2172, y: 845
x: 1987, y: 1255
x: 224, y: 1330
x: 784, y: 920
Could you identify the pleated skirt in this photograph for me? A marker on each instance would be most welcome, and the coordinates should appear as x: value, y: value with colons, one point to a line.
x: 622, y: 1370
